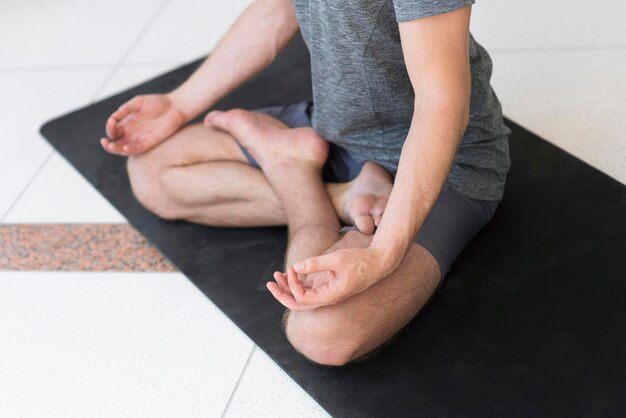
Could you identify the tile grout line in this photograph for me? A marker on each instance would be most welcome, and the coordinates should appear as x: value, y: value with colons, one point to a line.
x: 100, y: 88
x: 130, y: 49
x: 76, y: 67
x: 243, y: 371
x: 28, y: 183
x: 53, y: 67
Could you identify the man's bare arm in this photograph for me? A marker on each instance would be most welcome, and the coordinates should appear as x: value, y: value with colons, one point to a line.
x: 436, y: 51
x: 250, y: 45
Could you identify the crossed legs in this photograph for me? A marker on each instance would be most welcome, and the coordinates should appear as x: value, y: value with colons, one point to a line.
x: 201, y: 175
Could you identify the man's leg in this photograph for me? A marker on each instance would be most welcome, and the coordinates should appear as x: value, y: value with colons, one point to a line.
x: 292, y: 161
x: 329, y: 335
x: 201, y: 175
x: 334, y: 334
x: 341, y: 333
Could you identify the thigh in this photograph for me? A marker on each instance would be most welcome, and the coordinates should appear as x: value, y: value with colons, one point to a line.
x: 367, y: 320
x: 452, y: 223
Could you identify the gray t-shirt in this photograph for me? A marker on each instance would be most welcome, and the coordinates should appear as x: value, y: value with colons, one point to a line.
x: 363, y: 98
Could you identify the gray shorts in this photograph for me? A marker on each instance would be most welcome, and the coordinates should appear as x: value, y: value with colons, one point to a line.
x: 452, y: 223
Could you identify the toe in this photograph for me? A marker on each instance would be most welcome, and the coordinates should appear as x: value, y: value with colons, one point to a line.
x: 237, y: 122
x: 210, y: 117
x: 379, y: 206
x: 378, y: 209
x: 360, y: 214
x: 365, y: 223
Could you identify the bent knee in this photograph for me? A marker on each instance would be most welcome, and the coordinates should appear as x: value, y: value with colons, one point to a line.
x: 145, y: 180
x: 322, y: 337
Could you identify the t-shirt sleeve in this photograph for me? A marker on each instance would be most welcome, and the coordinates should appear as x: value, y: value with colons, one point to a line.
x: 416, y: 9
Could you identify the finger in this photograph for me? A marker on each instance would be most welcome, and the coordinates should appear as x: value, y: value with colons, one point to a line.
x: 307, y: 281
x: 330, y: 292
x: 294, y: 284
x: 326, y: 262
x: 113, y: 147
x: 125, y: 146
x: 136, y: 146
x: 316, y: 297
x: 131, y: 106
x: 284, y: 298
x: 113, y: 130
x: 280, y: 295
x: 281, y: 279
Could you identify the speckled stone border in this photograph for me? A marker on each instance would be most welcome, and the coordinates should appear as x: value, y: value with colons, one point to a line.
x: 78, y: 247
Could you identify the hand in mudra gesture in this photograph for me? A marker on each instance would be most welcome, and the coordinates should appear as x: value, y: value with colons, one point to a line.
x: 141, y: 124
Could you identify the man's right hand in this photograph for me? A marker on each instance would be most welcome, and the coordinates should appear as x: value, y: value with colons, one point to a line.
x: 141, y: 124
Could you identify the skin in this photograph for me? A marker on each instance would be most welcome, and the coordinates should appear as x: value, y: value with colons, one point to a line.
x: 346, y: 295
x: 437, y: 59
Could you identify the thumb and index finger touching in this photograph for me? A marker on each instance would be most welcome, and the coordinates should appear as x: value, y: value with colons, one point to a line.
x: 113, y: 129
x: 116, y: 137
x: 325, y: 262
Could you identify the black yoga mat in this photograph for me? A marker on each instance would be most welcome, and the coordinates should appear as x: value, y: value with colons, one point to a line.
x: 529, y: 323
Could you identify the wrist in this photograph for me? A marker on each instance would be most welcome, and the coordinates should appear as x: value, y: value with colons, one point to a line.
x: 181, y: 106
x: 388, y: 258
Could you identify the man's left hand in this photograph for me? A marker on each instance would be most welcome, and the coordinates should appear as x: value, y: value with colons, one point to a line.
x: 330, y: 278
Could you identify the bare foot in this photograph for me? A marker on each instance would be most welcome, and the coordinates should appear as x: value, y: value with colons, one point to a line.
x: 363, y: 200
x: 270, y: 141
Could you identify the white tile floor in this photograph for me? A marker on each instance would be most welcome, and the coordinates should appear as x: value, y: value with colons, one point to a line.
x: 81, y: 344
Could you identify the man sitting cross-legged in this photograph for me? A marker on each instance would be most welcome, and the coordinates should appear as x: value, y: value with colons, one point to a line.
x: 292, y: 161
x: 165, y: 180
x: 412, y: 151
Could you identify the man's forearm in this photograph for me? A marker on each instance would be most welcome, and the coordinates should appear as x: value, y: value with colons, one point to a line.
x: 436, y: 54
x: 425, y: 162
x: 251, y: 44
